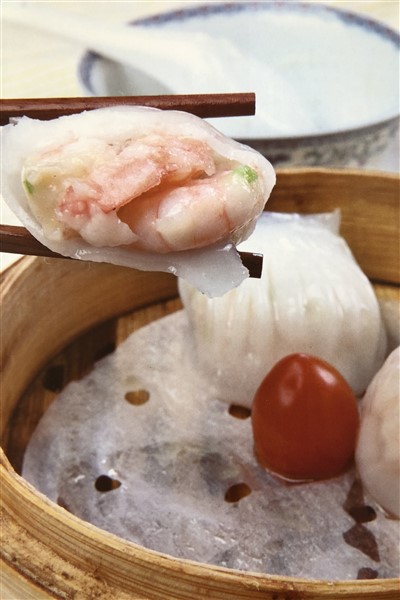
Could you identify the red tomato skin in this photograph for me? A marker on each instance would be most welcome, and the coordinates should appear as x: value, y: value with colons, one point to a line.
x: 305, y: 420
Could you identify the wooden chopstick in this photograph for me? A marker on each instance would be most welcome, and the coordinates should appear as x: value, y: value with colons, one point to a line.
x: 18, y: 240
x: 201, y: 105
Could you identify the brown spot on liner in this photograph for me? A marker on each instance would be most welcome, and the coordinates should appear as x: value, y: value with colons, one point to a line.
x: 367, y: 573
x: 359, y: 536
x: 239, y: 412
x: 362, y: 514
x: 362, y: 539
x: 104, y: 483
x: 355, y: 497
x: 137, y: 397
x: 237, y: 492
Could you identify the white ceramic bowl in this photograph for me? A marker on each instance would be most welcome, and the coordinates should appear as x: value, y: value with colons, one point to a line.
x: 329, y: 85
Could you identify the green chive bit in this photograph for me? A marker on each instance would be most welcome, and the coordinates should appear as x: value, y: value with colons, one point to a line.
x: 246, y: 173
x: 28, y: 186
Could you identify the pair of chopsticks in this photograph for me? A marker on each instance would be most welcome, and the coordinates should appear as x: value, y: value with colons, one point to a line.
x: 18, y: 240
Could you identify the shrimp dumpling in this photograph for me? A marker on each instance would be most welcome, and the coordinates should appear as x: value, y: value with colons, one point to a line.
x: 378, y: 446
x: 140, y: 187
x: 312, y: 298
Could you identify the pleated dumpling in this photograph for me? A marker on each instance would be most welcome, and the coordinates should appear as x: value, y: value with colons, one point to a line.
x: 312, y: 298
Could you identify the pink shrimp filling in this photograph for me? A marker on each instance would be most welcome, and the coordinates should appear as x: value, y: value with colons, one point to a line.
x: 168, y: 192
x: 174, y: 218
x: 138, y: 167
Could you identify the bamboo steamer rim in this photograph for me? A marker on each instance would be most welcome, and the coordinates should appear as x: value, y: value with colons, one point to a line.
x: 91, y: 562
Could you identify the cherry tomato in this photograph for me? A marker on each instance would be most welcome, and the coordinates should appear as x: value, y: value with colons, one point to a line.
x: 305, y: 420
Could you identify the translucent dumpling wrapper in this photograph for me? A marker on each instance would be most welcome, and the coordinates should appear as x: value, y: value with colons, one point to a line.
x: 138, y: 187
x: 312, y: 297
x: 378, y: 446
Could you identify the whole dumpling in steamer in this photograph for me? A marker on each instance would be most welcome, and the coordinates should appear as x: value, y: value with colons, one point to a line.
x: 139, y: 187
x: 312, y: 298
x: 378, y: 446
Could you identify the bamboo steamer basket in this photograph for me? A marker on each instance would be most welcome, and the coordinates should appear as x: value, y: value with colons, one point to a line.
x: 46, y: 305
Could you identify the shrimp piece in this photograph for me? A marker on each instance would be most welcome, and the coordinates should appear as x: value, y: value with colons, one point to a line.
x: 136, y: 168
x: 198, y: 214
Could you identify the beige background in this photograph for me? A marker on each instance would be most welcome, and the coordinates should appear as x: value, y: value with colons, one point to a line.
x: 38, y: 65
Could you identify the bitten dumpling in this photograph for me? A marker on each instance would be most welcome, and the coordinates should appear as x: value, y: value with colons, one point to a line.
x: 140, y: 187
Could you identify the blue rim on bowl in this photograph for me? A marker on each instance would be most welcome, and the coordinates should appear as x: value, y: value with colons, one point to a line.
x: 361, y: 138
